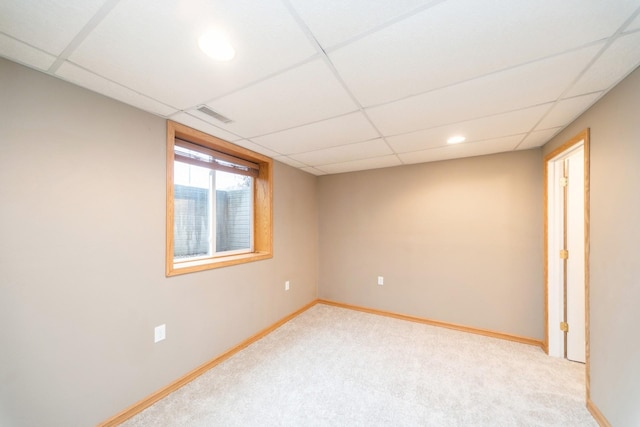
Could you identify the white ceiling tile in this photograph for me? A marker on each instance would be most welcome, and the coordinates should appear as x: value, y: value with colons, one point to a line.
x: 305, y: 94
x: 423, y: 69
x: 346, y: 129
x: 335, y: 21
x: 520, y: 87
x: 255, y: 147
x: 313, y: 171
x: 565, y: 111
x: 289, y: 161
x: 358, y: 165
x: 196, y: 123
x: 635, y: 25
x: 27, y: 55
x: 152, y: 45
x: 98, y: 84
x: 615, y: 63
x: 49, y: 25
x: 538, y: 138
x: 458, y: 40
x: 515, y: 122
x: 344, y: 153
x: 462, y: 150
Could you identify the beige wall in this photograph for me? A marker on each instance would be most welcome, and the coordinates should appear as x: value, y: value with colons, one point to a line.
x: 81, y: 260
x: 457, y: 241
x: 82, y: 285
x: 615, y: 249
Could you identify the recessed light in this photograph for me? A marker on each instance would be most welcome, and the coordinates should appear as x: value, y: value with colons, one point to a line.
x: 456, y: 139
x: 215, y: 44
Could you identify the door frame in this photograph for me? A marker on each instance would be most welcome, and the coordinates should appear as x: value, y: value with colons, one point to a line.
x: 548, y: 160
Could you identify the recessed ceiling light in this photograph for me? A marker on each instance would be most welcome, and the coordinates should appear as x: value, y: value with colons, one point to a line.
x: 215, y: 44
x: 456, y: 139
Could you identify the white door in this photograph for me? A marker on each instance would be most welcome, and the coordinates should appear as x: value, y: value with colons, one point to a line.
x: 575, y: 283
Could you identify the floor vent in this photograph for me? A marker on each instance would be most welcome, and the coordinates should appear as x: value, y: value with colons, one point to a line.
x: 209, y: 112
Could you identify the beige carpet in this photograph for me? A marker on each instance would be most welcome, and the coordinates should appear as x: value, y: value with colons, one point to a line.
x: 337, y: 367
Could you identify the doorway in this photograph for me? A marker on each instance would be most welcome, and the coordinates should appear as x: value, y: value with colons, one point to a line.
x: 566, y: 173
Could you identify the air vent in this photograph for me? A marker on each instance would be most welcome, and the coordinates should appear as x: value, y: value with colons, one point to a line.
x: 209, y: 112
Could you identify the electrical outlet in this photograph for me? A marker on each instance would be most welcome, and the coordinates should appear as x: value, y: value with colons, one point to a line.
x: 159, y: 333
x: 286, y: 285
x: 380, y: 280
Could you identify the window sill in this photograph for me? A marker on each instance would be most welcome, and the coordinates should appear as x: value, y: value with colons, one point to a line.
x: 176, y: 269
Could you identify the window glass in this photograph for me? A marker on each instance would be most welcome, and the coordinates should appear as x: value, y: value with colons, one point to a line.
x: 218, y: 202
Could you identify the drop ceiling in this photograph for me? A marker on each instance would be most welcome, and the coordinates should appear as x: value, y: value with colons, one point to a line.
x: 336, y: 86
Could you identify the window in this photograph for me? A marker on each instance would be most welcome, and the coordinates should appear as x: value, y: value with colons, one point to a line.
x: 219, y: 204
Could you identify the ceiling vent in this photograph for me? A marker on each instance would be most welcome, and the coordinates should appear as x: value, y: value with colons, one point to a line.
x: 209, y: 112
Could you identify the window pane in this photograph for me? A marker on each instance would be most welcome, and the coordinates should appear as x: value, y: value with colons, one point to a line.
x: 234, y: 212
x: 219, y: 203
x: 192, y: 211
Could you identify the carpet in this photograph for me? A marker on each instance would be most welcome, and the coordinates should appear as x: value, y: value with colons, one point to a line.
x: 337, y: 367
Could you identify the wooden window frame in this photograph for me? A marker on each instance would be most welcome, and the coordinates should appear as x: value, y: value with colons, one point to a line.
x: 262, y: 202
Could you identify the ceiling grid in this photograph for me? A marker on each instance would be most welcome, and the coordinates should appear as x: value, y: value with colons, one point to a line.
x: 339, y: 86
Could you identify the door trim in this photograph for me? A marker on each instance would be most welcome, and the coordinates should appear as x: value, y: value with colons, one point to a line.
x: 582, y: 136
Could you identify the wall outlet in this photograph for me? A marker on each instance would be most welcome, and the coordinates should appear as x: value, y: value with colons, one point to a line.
x: 380, y: 280
x: 286, y: 285
x: 159, y: 333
